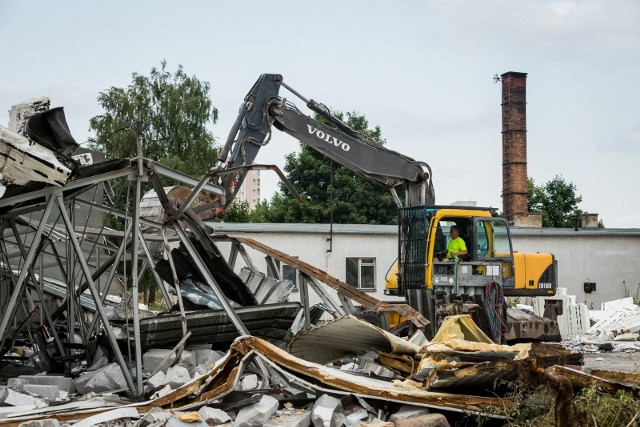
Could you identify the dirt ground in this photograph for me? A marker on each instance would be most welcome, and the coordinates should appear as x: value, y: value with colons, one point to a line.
x: 618, y: 361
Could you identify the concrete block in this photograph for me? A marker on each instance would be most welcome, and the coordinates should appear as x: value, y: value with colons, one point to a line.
x: 15, y: 398
x: 152, y: 358
x: 156, y: 381
x: 109, y: 378
x: 427, y: 420
x: 324, y: 412
x: 49, y: 392
x: 188, y: 360
x: 408, y: 411
x: 155, y: 415
x: 207, y: 357
x: 250, y: 382
x: 257, y: 414
x: 63, y: 383
x: 213, y: 416
x: 301, y: 418
x: 177, y: 376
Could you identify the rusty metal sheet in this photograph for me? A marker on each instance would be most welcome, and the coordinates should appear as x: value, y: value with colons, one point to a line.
x: 326, y: 379
x: 368, y: 301
x: 581, y: 379
x: 346, y: 336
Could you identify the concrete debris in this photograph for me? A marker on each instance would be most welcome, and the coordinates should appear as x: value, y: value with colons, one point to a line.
x: 40, y: 423
x: 213, y: 416
x: 63, y: 383
x: 153, y: 358
x: 49, y: 392
x: 107, y: 379
x: 16, y: 398
x: 177, y: 376
x: 257, y: 414
x: 115, y: 414
x: 325, y: 412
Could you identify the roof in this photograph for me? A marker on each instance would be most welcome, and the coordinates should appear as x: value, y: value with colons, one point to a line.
x: 295, y: 228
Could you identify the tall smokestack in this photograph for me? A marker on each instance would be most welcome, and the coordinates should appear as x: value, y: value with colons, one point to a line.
x: 514, y: 144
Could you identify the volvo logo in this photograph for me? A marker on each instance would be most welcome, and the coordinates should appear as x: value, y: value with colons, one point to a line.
x: 328, y: 138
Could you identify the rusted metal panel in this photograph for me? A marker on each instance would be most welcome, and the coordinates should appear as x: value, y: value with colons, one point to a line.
x: 366, y: 300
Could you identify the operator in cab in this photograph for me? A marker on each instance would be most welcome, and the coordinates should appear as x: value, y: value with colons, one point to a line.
x: 457, y: 247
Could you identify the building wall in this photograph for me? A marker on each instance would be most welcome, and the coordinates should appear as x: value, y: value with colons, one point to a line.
x: 607, y: 257
x: 250, y: 189
x: 609, y: 260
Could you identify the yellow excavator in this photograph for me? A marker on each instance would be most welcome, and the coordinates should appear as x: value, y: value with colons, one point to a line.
x: 431, y: 283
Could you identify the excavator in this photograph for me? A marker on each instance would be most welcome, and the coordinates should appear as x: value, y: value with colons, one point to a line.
x: 476, y: 283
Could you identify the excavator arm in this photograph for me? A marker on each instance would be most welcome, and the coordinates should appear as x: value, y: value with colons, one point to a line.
x: 263, y: 109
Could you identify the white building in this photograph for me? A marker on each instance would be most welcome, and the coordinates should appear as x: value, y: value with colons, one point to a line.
x: 362, y: 254
x: 250, y: 189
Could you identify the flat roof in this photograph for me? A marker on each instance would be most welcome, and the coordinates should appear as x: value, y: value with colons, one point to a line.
x: 298, y: 228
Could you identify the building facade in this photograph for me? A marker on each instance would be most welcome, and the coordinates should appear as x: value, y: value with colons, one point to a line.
x: 361, y: 255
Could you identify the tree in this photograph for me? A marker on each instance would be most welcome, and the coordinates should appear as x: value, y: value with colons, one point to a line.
x: 331, y: 191
x: 557, y: 201
x: 174, y: 111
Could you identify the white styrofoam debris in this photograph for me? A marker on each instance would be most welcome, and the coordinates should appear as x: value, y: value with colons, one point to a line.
x: 157, y: 380
x: 300, y: 418
x: 115, y: 414
x: 250, y: 382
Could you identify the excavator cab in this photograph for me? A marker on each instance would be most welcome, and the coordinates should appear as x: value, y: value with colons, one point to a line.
x: 475, y: 283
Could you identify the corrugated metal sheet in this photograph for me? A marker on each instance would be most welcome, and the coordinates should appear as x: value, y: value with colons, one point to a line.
x: 346, y: 336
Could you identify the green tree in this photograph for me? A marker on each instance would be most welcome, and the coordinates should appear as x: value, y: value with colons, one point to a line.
x: 330, y: 190
x: 557, y: 201
x: 174, y: 111
x: 237, y: 212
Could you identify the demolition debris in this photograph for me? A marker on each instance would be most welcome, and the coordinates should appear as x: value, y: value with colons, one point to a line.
x: 229, y: 347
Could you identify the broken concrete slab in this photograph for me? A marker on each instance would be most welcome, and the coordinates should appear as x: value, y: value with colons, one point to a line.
x: 177, y: 376
x: 157, y: 381
x: 257, y: 414
x: 49, y: 392
x: 15, y: 398
x: 107, y: 379
x: 324, y: 412
x: 213, y: 416
x: 63, y: 383
x: 104, y: 417
x: 151, y: 359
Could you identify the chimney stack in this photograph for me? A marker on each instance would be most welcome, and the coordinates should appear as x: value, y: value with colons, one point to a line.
x: 514, y: 144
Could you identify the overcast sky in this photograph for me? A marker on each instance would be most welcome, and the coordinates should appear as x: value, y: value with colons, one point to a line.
x: 421, y: 70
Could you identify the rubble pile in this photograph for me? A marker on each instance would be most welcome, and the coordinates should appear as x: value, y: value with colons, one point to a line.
x: 341, y: 372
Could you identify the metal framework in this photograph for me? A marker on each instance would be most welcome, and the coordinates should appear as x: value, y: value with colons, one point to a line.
x: 61, y: 264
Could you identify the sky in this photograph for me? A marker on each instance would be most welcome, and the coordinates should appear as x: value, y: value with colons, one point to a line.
x: 421, y: 70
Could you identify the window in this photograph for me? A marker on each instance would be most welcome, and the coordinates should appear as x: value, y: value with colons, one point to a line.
x: 290, y: 273
x: 361, y: 273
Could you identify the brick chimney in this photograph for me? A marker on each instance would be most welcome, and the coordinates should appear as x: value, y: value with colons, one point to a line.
x: 514, y: 144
